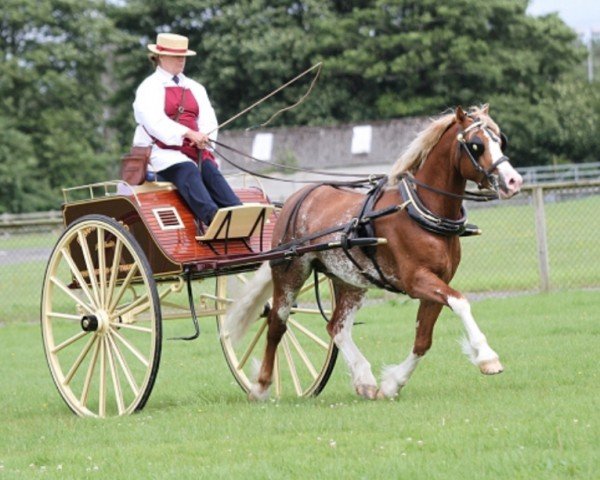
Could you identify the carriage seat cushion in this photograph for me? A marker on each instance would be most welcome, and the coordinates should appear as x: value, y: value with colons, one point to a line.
x: 240, y: 221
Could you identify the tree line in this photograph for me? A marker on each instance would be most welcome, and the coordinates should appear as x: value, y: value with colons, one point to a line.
x: 69, y: 70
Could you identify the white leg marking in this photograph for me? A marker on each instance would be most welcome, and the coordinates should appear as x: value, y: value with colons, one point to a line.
x: 475, y: 346
x: 256, y: 390
x: 394, y: 377
x: 360, y: 368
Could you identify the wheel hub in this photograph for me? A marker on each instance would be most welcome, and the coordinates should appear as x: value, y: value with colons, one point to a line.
x: 89, y: 323
x: 95, y: 323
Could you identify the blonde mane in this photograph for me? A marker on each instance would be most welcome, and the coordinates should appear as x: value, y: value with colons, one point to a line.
x: 414, y: 156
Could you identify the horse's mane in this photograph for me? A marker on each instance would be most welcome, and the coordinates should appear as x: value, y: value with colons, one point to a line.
x: 414, y: 156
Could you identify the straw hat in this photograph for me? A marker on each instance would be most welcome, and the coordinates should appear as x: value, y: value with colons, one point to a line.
x: 172, y: 45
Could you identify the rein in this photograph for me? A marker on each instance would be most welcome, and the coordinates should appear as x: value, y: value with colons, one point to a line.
x: 361, y: 181
x: 468, y: 195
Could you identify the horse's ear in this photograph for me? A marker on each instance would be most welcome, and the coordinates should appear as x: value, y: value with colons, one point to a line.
x: 460, y: 114
x: 485, y: 109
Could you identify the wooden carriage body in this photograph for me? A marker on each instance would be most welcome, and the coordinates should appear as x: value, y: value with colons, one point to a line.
x: 166, y: 230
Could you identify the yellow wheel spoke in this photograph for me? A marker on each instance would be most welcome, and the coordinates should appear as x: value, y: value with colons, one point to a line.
x: 131, y: 348
x: 252, y: 345
x: 129, y: 326
x: 102, y: 390
x: 277, y: 375
x: 291, y: 365
x: 56, y: 281
x: 77, y: 274
x: 102, y: 266
x: 122, y: 288
x: 66, y: 316
x: 114, y: 271
x: 309, y: 334
x: 310, y: 311
x: 79, y: 359
x: 89, y: 265
x: 135, y: 308
x: 115, y: 377
x: 69, y: 341
x: 88, y: 376
x: 124, y: 367
x: 296, y: 344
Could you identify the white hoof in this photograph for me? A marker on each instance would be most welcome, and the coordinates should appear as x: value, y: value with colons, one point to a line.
x: 389, y: 389
x: 257, y: 393
x: 491, y: 367
x: 368, y: 392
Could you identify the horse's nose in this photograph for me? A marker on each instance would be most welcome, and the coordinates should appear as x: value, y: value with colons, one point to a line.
x: 515, y: 182
x: 512, y: 181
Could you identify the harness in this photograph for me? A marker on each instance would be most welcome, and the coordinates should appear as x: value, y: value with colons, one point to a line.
x: 360, y: 231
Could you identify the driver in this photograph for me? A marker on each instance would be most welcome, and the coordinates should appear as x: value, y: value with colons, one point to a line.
x: 174, y: 115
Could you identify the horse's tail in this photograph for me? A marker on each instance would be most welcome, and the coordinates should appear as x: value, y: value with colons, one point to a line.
x: 249, y: 305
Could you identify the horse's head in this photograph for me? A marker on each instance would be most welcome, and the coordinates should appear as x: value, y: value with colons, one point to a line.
x: 481, y: 153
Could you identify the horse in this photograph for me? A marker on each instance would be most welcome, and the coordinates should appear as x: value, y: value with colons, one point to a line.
x: 418, y: 210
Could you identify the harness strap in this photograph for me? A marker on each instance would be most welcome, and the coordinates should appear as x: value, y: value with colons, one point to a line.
x: 429, y: 220
x: 359, y: 227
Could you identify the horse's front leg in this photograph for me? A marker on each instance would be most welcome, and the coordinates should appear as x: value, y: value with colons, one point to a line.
x: 475, y: 345
x: 347, y: 302
x: 396, y: 376
x: 430, y: 287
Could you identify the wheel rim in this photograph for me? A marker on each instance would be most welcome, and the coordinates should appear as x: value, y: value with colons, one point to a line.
x: 101, y: 332
x: 306, y: 355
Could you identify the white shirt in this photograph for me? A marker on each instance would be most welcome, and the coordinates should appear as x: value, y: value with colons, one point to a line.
x: 149, y: 112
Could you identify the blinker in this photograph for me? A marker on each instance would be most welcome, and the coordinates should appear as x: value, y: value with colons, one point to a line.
x: 503, y: 142
x: 476, y: 146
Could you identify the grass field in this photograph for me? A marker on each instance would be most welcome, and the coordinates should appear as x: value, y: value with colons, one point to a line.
x: 538, y: 420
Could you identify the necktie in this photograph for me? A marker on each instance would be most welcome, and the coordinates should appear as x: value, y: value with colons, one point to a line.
x: 176, y: 80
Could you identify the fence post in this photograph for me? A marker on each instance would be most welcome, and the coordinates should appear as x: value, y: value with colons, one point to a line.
x: 542, y: 237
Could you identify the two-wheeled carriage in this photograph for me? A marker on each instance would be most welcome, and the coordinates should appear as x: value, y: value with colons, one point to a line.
x: 131, y: 257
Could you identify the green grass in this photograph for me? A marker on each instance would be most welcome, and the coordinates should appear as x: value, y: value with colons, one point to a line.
x: 14, y: 242
x: 538, y: 419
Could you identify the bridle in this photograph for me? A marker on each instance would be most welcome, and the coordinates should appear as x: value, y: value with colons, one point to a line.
x: 474, y: 148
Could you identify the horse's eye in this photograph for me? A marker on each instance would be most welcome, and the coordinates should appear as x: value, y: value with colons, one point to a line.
x: 476, y: 146
x: 503, y: 142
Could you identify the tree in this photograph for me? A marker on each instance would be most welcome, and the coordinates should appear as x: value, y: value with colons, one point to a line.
x: 53, y: 60
x: 382, y: 58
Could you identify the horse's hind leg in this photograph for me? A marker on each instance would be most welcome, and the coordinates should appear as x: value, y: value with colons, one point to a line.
x: 285, y: 289
x: 348, y: 301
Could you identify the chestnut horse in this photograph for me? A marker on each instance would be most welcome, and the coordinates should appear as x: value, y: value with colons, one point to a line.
x: 420, y: 257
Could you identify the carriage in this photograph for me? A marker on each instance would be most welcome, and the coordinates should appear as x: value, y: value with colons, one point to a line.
x: 129, y: 257
x: 133, y: 256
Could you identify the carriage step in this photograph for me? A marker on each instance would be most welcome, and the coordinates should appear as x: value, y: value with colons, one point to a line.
x: 240, y: 221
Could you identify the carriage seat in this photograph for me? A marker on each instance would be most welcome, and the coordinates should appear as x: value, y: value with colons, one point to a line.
x: 240, y: 221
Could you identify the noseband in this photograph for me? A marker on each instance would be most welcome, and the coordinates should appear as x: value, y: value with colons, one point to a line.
x: 475, y: 149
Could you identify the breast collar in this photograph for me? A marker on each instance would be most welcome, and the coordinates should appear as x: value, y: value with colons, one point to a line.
x: 427, y: 219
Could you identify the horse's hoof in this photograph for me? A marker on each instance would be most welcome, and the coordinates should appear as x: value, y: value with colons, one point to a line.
x: 382, y: 395
x: 491, y: 367
x: 257, y: 394
x: 368, y: 392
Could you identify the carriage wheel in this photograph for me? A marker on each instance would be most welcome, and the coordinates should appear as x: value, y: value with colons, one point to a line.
x: 100, y: 315
x: 306, y: 355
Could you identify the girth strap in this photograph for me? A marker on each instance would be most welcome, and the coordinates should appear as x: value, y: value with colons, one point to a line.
x: 362, y: 226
